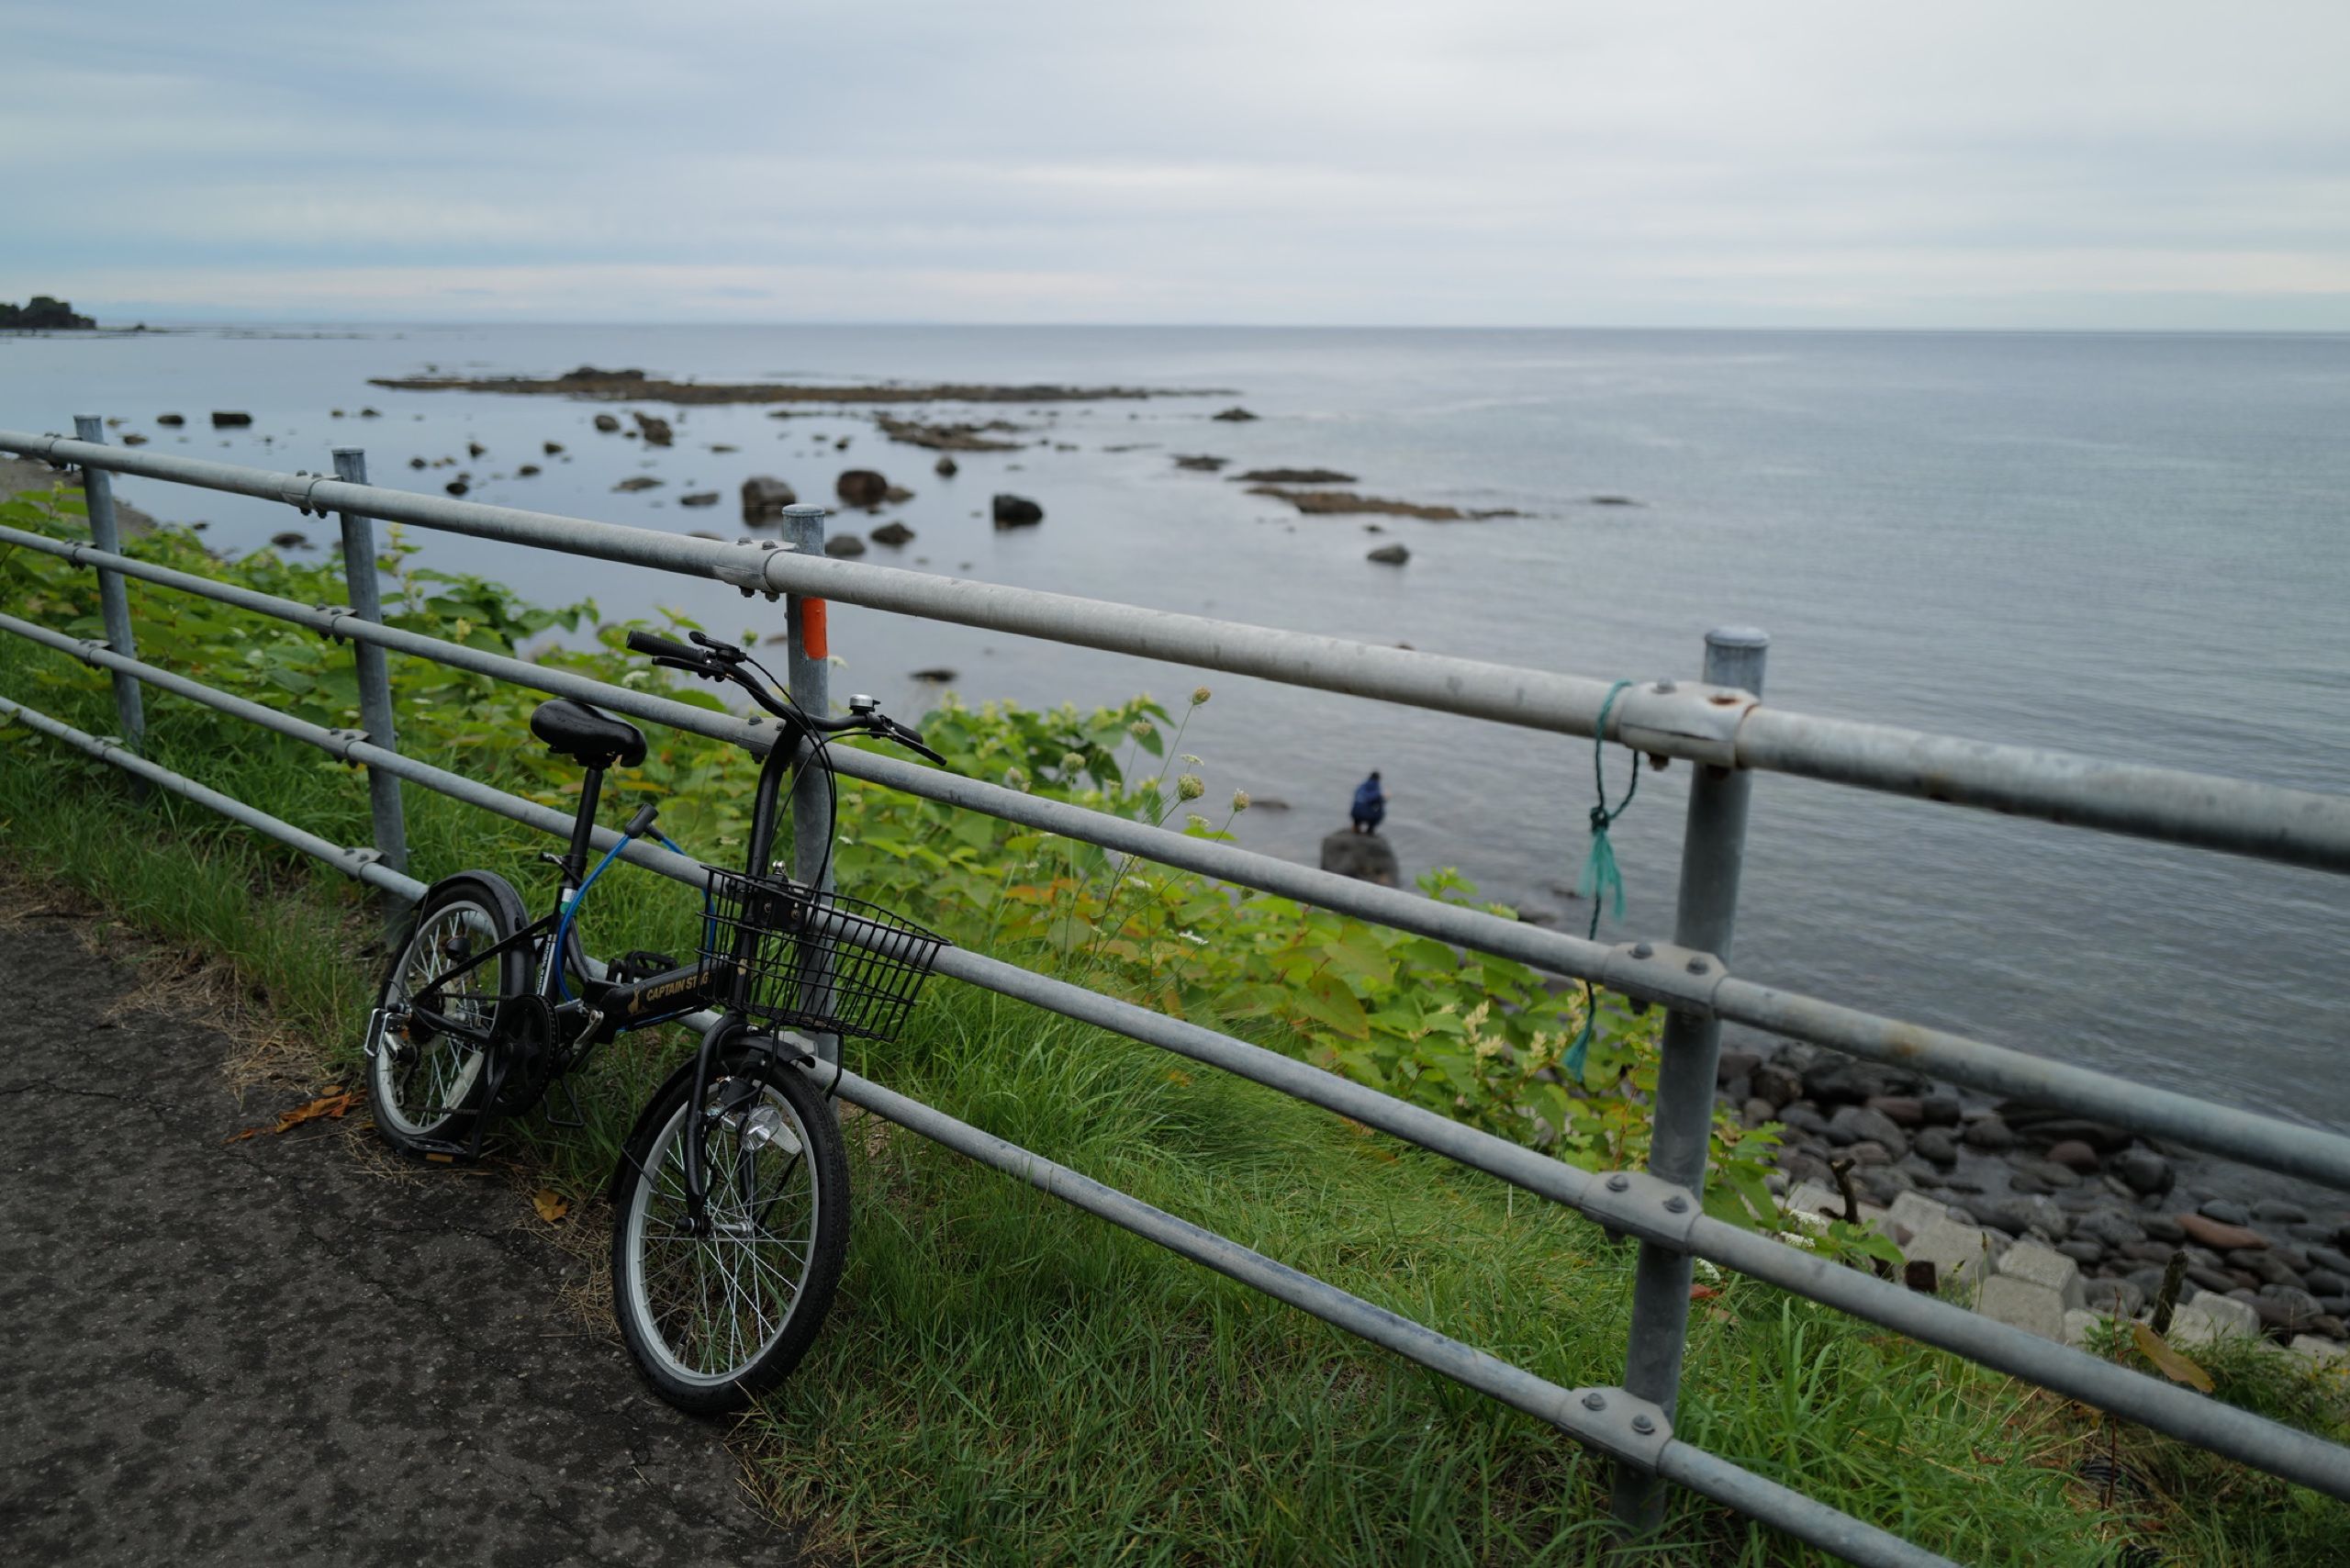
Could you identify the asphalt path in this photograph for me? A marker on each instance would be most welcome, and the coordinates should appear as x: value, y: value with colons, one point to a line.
x: 272, y: 1349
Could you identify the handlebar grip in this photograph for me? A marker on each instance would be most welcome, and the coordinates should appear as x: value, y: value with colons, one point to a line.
x: 662, y: 648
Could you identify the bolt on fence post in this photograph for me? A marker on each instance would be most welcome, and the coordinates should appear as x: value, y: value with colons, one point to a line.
x: 114, y: 602
x: 809, y: 676
x: 1713, y: 851
x: 374, y: 680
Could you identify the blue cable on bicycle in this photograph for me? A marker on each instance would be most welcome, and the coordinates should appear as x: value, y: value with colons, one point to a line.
x: 563, y: 928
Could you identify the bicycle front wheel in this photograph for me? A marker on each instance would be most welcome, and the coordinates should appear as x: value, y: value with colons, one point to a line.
x: 718, y: 1312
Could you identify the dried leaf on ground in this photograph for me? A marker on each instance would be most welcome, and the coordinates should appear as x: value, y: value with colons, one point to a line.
x: 335, y: 1106
x: 551, y: 1207
x: 2167, y: 1361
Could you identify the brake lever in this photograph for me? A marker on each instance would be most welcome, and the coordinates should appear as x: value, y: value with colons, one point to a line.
x: 690, y: 668
x: 910, y: 740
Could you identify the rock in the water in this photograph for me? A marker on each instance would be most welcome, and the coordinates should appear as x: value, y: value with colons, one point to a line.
x: 698, y: 499
x: 860, y: 488
x: 938, y: 675
x: 2205, y: 1231
x: 172, y: 420
x: 893, y: 535
x: 223, y: 419
x: 944, y: 468
x: 765, y: 496
x: 477, y: 449
x: 456, y: 486
x: 607, y: 423
x: 1236, y: 415
x: 553, y: 448
x: 638, y: 482
x: 528, y: 471
x: 655, y: 430
x: 1199, y: 461
x: 843, y: 544
x: 1017, y: 511
x: 1365, y: 856
x: 290, y: 541
x: 134, y: 439
x: 417, y: 462
x: 897, y: 495
x: 1293, y: 476
x: 1389, y: 556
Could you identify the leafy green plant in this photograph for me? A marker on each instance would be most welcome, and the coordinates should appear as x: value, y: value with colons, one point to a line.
x: 1474, y: 1036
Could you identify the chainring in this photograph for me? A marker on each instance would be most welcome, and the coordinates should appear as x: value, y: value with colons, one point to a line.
x: 525, y: 1053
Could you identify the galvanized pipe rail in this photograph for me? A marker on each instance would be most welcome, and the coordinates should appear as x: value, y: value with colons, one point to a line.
x: 2267, y: 821
x: 2289, y: 1150
x: 1720, y: 727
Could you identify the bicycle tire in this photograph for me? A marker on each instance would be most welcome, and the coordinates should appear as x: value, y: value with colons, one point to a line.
x: 482, y: 907
x: 680, y: 1299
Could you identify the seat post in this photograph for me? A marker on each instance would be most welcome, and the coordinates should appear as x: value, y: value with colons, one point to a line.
x: 575, y: 865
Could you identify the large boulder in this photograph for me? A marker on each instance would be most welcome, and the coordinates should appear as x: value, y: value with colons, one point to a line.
x: 944, y: 468
x: 1389, y: 556
x: 608, y: 423
x: 1017, y: 511
x: 893, y: 533
x: 657, y: 430
x: 843, y: 544
x: 861, y: 487
x: 1365, y: 856
x: 765, y: 497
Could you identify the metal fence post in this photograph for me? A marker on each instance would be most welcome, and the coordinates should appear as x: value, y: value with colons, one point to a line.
x: 1713, y: 851
x: 374, y: 680
x: 114, y: 602
x: 809, y: 675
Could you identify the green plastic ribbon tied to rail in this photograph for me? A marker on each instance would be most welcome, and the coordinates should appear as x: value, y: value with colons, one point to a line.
x: 1602, y: 878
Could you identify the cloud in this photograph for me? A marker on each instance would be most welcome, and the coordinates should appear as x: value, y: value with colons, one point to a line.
x: 1812, y: 162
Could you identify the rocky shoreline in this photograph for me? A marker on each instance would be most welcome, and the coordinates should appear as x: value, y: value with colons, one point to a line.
x: 2114, y: 1203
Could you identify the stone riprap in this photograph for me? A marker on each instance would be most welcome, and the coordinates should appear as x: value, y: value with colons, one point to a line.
x: 2031, y: 1286
x: 1982, y: 1179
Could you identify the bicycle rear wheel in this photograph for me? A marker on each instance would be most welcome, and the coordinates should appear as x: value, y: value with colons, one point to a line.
x: 424, y: 1084
x: 719, y: 1314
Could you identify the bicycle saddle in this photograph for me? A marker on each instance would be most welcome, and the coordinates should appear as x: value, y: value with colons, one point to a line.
x: 587, y: 735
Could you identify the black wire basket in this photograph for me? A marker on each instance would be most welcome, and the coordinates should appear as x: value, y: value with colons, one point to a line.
x: 806, y: 959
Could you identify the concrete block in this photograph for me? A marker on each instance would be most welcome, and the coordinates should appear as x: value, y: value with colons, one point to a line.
x: 2077, y: 1324
x: 2019, y: 1304
x: 1916, y: 1211
x: 2041, y: 1265
x: 2320, y: 1351
x: 2208, y: 1315
x: 1811, y: 1198
x: 1959, y: 1252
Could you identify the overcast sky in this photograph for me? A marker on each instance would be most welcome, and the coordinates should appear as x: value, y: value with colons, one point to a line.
x: 2097, y: 163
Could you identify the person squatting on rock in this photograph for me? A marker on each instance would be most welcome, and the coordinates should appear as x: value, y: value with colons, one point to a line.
x: 1371, y: 805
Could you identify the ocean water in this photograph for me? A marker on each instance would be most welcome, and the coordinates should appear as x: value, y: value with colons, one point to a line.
x: 2128, y: 546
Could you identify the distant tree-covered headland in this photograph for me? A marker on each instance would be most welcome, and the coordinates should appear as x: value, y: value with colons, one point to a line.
x: 44, y: 313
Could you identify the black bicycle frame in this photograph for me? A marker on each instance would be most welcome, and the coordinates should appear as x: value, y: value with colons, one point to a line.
x: 620, y: 1008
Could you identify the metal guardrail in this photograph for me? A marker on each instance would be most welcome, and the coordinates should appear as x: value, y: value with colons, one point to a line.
x: 1720, y: 725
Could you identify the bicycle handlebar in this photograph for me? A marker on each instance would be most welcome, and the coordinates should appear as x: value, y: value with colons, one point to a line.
x: 714, y: 660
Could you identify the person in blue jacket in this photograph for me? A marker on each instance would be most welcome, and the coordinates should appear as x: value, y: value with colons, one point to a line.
x: 1371, y: 805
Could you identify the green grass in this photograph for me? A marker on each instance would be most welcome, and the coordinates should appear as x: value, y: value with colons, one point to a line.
x: 1005, y: 1379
